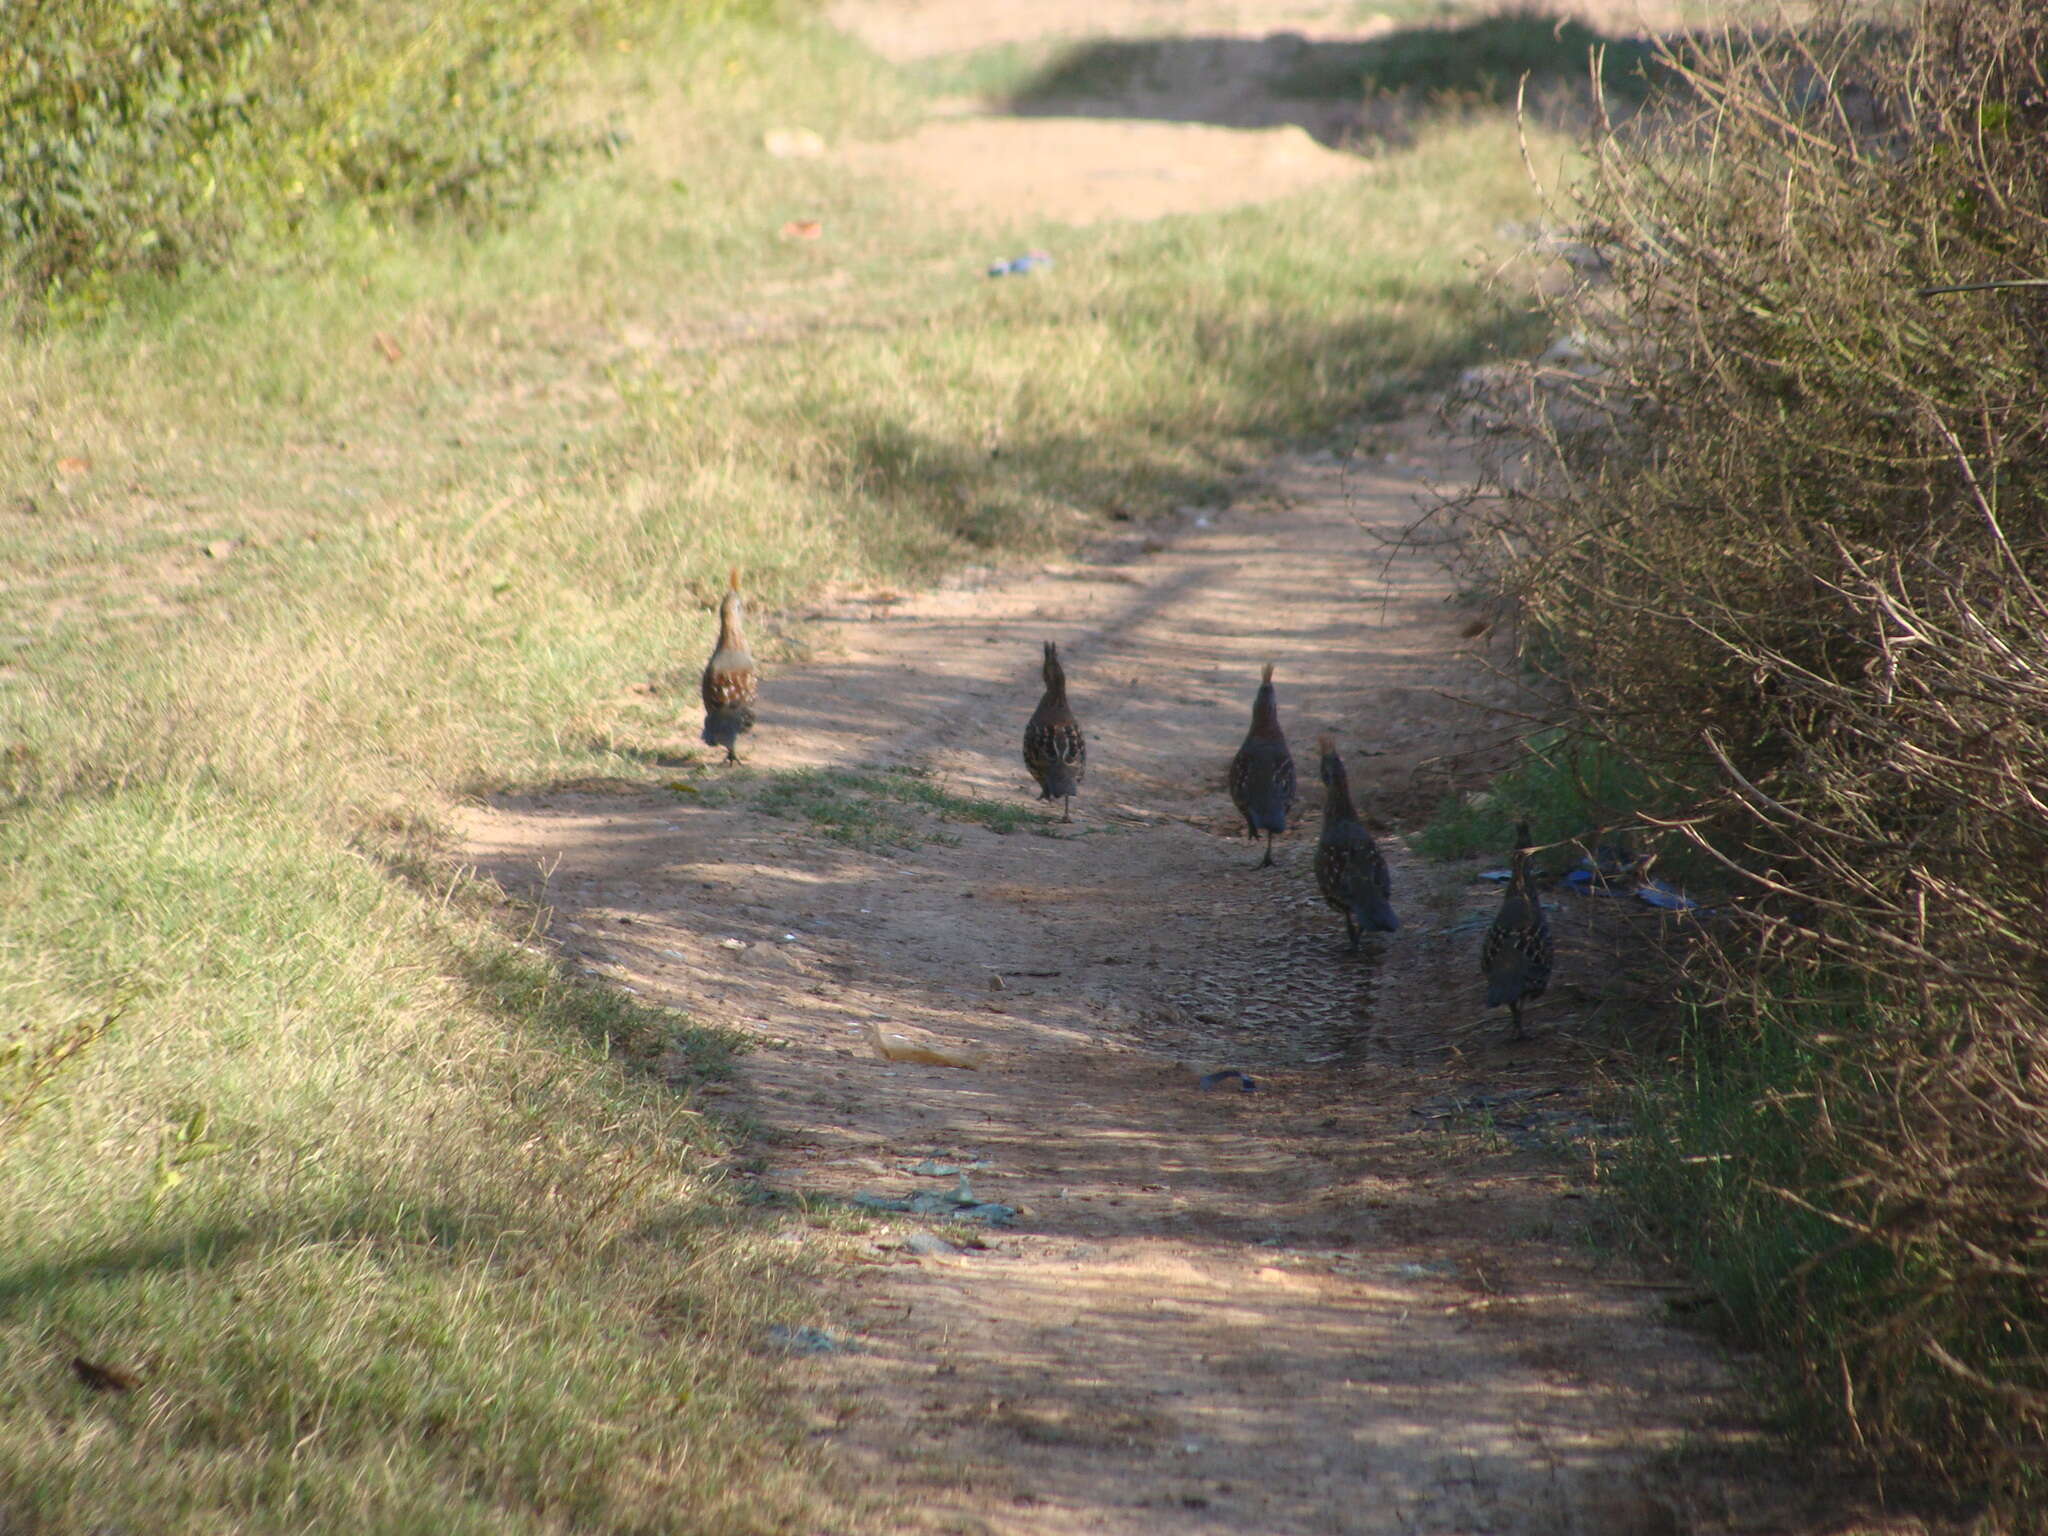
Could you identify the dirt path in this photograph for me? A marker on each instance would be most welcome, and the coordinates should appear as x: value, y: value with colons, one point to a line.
x: 1302, y: 1309
x: 1334, y: 1304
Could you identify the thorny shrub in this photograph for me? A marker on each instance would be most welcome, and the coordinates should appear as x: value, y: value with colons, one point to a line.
x: 1780, y: 523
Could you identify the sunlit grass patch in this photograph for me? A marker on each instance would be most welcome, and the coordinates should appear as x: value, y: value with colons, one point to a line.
x: 886, y: 810
x: 999, y: 816
x: 353, y: 1170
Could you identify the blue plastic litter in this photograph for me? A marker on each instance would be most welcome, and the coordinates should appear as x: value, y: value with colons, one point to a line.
x: 1246, y: 1083
x: 1021, y: 266
x: 1663, y: 896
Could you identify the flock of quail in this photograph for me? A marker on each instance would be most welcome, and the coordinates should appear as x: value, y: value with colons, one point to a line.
x: 1350, y: 871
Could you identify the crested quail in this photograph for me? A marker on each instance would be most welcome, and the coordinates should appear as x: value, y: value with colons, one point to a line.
x: 1349, y: 869
x: 730, y: 681
x: 1262, y: 773
x: 1518, y: 950
x: 1053, y: 748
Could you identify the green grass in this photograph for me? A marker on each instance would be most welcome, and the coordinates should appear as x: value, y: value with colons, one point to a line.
x: 404, y: 1230
x: 1731, y: 1121
x: 1729, y: 1169
x: 1747, y: 1166
x: 1436, y: 55
x: 994, y: 73
x: 394, y: 1224
x: 1564, y: 786
x: 885, y: 811
x: 1094, y: 68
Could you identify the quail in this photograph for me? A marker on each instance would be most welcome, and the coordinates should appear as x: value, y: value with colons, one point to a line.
x: 1262, y: 773
x: 1518, y: 951
x: 1053, y: 747
x: 731, y: 682
x: 1350, y: 870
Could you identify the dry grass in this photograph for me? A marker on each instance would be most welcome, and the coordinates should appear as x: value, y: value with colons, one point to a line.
x: 1787, y: 537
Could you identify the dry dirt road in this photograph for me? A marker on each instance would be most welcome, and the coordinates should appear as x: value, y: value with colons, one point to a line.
x: 1306, y: 1308
x: 1337, y: 1303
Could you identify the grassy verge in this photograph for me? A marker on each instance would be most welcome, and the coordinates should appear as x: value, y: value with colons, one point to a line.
x: 1717, y: 1137
x: 398, y: 1229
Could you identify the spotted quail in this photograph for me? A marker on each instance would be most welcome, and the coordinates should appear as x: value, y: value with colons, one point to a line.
x: 1518, y: 951
x: 730, y: 681
x: 1262, y: 773
x: 1053, y: 748
x: 1349, y: 869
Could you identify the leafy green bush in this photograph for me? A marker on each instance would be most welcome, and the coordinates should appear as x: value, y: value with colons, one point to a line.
x: 146, y: 137
x: 1786, y: 513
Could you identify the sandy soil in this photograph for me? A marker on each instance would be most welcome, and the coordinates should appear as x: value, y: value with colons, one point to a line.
x: 1083, y: 171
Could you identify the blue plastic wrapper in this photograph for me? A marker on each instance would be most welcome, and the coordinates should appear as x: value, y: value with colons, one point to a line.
x: 1663, y: 896
x: 1021, y: 266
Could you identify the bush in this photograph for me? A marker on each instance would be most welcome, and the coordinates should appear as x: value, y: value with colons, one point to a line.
x: 141, y: 137
x: 1788, y: 516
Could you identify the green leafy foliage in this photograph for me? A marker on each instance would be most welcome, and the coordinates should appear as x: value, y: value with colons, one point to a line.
x: 142, y: 137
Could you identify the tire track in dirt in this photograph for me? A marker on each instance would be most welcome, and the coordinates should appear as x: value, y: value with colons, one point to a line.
x: 1296, y: 1310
